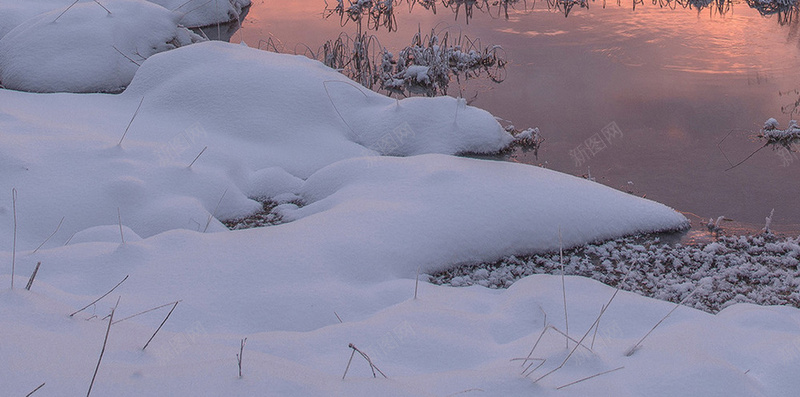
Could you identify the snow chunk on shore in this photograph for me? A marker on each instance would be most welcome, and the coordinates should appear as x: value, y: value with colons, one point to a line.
x: 86, y: 48
x: 198, y: 13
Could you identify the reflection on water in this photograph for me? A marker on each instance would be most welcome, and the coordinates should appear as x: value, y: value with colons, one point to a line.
x: 784, y: 9
x: 382, y: 13
x: 674, y: 81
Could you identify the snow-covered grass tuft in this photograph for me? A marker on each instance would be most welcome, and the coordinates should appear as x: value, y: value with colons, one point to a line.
x: 775, y: 138
x: 431, y: 62
x: 425, y: 67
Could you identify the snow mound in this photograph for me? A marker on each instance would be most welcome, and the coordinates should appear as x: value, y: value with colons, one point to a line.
x: 192, y: 13
x: 105, y: 234
x: 88, y: 49
x: 454, y: 210
x: 14, y: 12
x: 310, y: 115
x: 198, y: 13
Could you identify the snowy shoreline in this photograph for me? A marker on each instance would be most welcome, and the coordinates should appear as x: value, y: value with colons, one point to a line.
x: 760, y: 269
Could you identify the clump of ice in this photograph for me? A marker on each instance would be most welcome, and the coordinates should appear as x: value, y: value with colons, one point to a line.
x: 760, y: 269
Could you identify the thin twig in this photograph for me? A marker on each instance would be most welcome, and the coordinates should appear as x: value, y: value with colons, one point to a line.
x: 33, y: 276
x: 325, y: 85
x: 747, y: 158
x: 589, y: 377
x: 180, y: 6
x: 162, y: 324
x: 70, y: 238
x: 132, y: 118
x: 119, y: 218
x: 127, y: 57
x: 51, y: 236
x: 63, y: 12
x: 570, y: 338
x: 146, y: 311
x: 35, y: 390
x: 14, y: 244
x: 212, y: 215
x: 369, y: 361
x: 602, y: 309
x: 194, y: 9
x: 105, y: 340
x: 544, y: 360
x: 563, y: 285
x: 416, y: 283
x: 544, y: 329
x: 239, y: 356
x: 104, y: 7
x: 347, y: 368
x: 636, y: 346
x: 98, y: 299
x: 464, y: 391
x: 198, y: 156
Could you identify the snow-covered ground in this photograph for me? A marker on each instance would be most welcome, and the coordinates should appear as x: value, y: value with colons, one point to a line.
x: 101, y: 188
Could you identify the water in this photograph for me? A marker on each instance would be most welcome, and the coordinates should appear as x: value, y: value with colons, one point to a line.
x: 640, y: 99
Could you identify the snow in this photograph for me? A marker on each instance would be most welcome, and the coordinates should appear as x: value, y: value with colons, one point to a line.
x: 86, y: 48
x: 14, y: 12
x: 199, y: 13
x: 382, y: 198
x: 192, y: 13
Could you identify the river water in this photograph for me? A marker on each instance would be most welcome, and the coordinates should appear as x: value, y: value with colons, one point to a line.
x: 656, y: 101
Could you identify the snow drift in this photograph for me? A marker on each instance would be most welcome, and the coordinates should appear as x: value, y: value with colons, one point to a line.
x: 88, y: 48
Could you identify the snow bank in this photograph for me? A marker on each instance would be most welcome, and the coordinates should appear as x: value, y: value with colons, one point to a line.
x: 192, y: 13
x: 496, y: 208
x: 88, y: 49
x: 311, y: 115
x: 447, y: 341
x: 198, y: 13
x: 262, y: 121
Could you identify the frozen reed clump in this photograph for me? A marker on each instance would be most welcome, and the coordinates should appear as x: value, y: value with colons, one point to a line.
x: 430, y: 63
x: 777, y: 137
